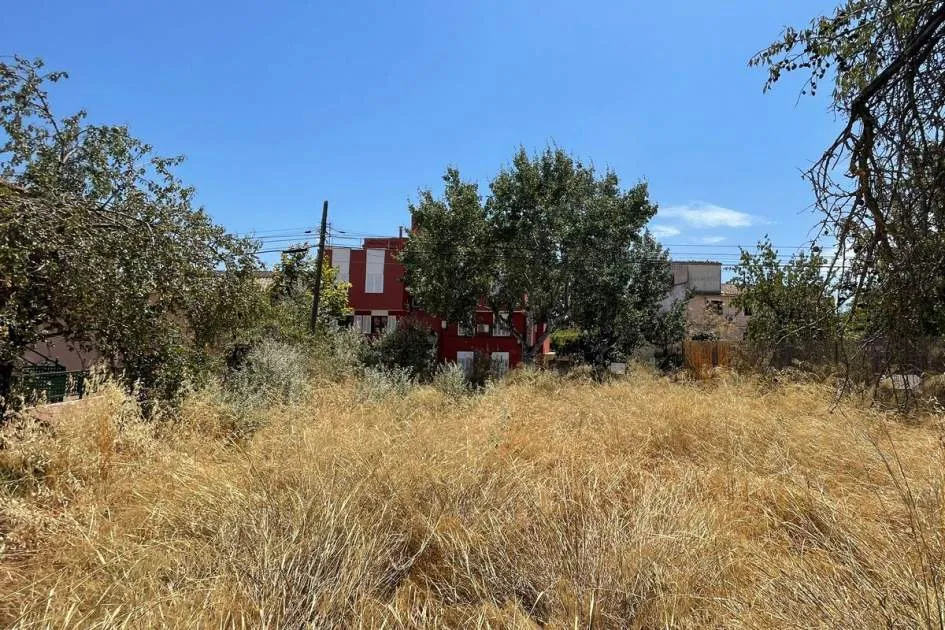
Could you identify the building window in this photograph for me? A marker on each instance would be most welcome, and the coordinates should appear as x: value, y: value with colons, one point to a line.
x: 714, y: 306
x: 465, y: 359
x: 501, y: 328
x: 374, y: 272
x: 500, y: 363
x: 362, y: 323
x: 463, y: 329
x: 341, y: 260
x: 378, y: 324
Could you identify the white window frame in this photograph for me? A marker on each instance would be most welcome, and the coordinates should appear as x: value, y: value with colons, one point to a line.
x: 500, y: 328
x: 500, y: 363
x: 462, y: 330
x: 466, y: 359
x: 374, y: 271
x: 341, y: 260
x: 362, y: 323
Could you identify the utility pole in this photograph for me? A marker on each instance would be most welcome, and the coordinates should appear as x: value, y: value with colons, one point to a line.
x: 318, y: 269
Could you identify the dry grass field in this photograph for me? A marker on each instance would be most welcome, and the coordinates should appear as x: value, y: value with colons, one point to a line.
x: 542, y: 503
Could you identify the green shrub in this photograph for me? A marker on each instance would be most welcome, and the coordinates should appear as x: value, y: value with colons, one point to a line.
x: 377, y: 384
x: 338, y: 352
x: 272, y: 373
x: 450, y: 380
x: 410, y: 346
x: 566, y: 342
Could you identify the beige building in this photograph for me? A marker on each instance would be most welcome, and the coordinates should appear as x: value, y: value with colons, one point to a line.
x: 709, y: 312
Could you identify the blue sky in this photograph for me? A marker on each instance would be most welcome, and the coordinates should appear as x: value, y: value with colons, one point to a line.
x: 280, y: 105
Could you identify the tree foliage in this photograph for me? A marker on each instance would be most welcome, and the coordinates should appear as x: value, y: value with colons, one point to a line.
x: 554, y: 240
x: 880, y: 185
x: 290, y: 295
x: 100, y: 244
x: 618, y: 305
x: 791, y: 314
x: 447, y: 260
x: 408, y: 346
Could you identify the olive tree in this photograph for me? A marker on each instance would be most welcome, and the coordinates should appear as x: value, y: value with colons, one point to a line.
x: 100, y: 244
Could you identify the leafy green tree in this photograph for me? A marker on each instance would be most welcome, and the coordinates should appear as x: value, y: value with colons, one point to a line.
x: 549, y: 228
x: 619, y: 304
x: 879, y: 184
x: 100, y: 244
x: 448, y: 259
x: 290, y: 295
x: 792, y: 315
x: 533, y: 213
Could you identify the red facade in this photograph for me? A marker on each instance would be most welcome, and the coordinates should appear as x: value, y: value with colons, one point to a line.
x: 378, y: 294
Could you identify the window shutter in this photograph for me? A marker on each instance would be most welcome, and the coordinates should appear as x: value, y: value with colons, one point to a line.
x: 362, y: 323
x: 374, y: 272
x: 341, y: 260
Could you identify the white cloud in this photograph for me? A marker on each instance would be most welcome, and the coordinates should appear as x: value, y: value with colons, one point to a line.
x: 711, y: 240
x: 664, y: 231
x: 706, y: 215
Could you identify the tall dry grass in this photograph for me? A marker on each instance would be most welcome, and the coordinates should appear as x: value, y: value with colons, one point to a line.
x: 543, y: 502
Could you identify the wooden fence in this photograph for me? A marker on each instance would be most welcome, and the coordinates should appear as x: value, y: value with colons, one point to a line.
x: 700, y: 357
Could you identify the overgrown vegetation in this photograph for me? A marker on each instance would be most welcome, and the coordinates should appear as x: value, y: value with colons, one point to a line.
x: 409, y: 346
x: 555, y: 240
x: 101, y: 246
x: 546, y: 501
x: 327, y: 479
x: 793, y: 318
x: 290, y: 296
x: 878, y: 185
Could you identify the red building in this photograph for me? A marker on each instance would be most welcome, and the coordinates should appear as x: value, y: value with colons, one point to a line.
x: 379, y: 298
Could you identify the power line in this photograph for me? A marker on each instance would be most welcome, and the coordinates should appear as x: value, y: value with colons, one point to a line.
x: 703, y: 256
x: 726, y: 259
x: 725, y: 265
x: 678, y: 251
x: 287, y: 234
x: 275, y: 231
